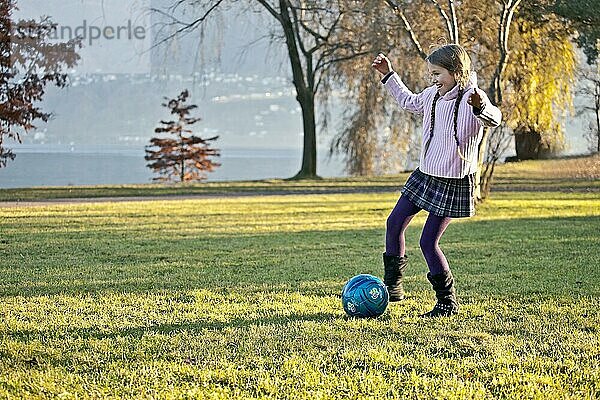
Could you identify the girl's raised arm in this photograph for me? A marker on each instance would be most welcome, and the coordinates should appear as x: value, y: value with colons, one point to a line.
x: 488, y: 114
x: 404, y: 96
x: 382, y: 64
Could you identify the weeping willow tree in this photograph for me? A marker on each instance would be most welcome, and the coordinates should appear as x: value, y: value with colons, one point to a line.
x: 360, y: 146
x: 376, y: 136
x: 539, y: 87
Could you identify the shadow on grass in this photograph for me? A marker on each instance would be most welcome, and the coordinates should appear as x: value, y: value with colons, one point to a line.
x: 166, y: 329
x: 545, y: 184
x: 178, y: 192
x: 500, y: 256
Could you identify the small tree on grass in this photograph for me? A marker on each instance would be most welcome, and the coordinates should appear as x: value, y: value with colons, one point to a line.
x: 182, y: 156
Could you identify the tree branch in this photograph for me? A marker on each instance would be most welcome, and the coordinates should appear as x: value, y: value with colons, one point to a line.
x: 508, y: 10
x: 297, y: 31
x: 454, y: 21
x: 446, y: 19
x: 324, y: 66
x: 407, y: 27
x: 186, y: 26
x: 271, y: 10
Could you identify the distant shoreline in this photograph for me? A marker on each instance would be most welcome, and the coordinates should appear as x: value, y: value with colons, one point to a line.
x: 97, y: 165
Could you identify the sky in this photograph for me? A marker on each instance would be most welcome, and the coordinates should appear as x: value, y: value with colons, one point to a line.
x: 116, y: 35
x: 124, y: 37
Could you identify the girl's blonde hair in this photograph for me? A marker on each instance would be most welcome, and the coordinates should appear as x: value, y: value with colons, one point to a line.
x: 455, y: 59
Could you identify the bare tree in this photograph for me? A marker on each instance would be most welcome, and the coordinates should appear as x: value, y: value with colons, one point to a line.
x: 28, y: 63
x: 308, y: 28
x: 181, y: 156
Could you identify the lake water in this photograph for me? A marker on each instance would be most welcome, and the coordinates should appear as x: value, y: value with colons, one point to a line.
x: 64, y: 165
x: 93, y: 165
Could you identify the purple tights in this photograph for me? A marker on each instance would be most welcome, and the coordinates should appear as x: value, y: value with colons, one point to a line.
x: 433, y: 230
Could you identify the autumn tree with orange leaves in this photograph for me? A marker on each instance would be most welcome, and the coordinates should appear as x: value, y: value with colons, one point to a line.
x: 181, y: 156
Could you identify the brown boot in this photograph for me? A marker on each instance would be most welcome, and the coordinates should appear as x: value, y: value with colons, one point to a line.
x: 446, y: 305
x: 394, y: 270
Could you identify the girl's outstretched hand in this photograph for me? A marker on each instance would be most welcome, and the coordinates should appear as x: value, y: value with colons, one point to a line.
x: 475, y: 99
x: 382, y: 64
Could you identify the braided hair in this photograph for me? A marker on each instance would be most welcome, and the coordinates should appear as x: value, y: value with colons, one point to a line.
x: 432, y: 124
x: 459, y: 96
x: 455, y: 59
x: 461, y: 92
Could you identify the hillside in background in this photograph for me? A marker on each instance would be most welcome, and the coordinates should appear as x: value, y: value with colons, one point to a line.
x: 239, y: 80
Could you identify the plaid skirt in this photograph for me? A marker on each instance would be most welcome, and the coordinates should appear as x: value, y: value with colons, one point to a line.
x: 444, y: 197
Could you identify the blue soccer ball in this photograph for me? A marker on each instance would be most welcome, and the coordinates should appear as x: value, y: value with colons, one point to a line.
x: 365, y: 296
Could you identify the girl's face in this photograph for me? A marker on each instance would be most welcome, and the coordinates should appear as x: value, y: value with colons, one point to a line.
x: 441, y: 77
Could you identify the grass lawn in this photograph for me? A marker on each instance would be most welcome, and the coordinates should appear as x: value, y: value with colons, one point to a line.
x: 571, y: 174
x: 238, y: 297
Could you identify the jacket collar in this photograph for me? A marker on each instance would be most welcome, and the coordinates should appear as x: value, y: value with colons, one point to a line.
x: 450, y: 94
x: 453, y: 93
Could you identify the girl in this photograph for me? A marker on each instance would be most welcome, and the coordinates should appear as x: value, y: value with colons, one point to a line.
x: 454, y: 113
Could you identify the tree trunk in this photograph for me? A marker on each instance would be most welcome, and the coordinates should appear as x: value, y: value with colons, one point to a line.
x: 182, y: 166
x: 597, y: 132
x: 309, y: 150
x: 303, y: 81
x: 597, y: 127
x: 597, y: 109
x: 484, y: 181
x: 481, y: 181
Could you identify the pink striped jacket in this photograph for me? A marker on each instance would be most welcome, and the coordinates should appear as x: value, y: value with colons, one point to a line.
x: 442, y: 158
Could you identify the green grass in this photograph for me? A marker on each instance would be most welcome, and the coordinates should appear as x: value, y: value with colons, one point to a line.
x: 571, y: 174
x: 238, y: 297
x: 269, y: 186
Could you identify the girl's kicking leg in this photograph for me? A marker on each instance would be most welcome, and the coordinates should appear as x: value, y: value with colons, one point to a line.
x: 430, y: 243
x: 394, y: 258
